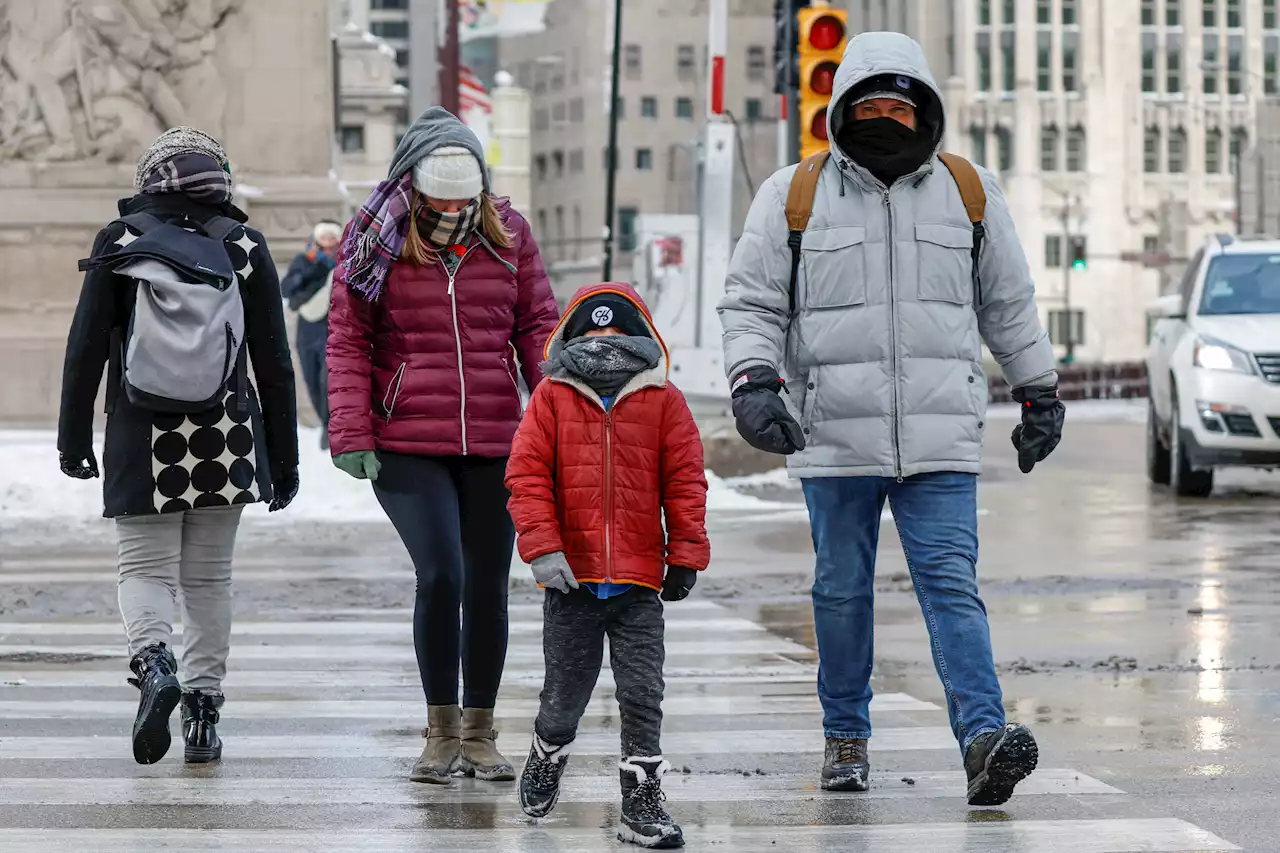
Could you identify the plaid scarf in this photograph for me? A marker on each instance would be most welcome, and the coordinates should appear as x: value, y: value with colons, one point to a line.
x: 377, y: 235
x: 196, y: 175
x: 446, y: 229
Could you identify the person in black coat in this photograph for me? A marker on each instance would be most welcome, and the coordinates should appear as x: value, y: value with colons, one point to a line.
x: 307, y: 285
x: 176, y: 483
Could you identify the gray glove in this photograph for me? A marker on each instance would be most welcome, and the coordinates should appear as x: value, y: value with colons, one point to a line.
x: 553, y: 572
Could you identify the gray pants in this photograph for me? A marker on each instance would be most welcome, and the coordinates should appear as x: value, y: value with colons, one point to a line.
x: 574, y: 626
x: 191, y: 551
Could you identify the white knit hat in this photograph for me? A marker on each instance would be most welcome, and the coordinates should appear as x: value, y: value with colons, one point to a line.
x: 325, y: 228
x: 451, y: 173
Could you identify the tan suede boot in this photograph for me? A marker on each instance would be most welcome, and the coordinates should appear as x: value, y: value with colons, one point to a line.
x: 480, y: 756
x: 441, y: 753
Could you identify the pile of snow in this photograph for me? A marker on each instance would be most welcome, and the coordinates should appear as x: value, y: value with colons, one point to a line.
x: 32, y: 487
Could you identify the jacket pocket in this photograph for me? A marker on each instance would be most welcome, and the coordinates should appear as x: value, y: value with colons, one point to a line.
x: 392, y: 393
x: 809, y: 403
x: 944, y: 255
x: 834, y: 266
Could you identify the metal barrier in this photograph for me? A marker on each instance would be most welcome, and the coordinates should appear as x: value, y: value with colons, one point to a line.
x: 1121, y: 380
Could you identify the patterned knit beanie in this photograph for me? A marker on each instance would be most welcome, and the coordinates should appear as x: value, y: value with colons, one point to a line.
x: 175, y: 141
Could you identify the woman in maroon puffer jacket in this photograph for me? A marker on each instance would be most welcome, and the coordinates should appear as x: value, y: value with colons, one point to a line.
x: 440, y: 302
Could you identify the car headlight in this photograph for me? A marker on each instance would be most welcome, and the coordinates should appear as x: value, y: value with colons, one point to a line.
x: 1215, y: 355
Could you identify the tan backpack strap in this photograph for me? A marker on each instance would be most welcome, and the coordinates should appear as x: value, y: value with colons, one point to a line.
x: 804, y: 186
x: 974, y: 197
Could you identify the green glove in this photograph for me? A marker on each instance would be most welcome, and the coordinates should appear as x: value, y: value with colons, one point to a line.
x: 361, y: 464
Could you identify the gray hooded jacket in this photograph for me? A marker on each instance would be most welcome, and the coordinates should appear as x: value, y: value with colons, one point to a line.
x: 884, y: 356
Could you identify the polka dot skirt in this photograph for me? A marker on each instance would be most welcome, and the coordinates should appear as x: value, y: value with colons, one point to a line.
x: 203, y: 460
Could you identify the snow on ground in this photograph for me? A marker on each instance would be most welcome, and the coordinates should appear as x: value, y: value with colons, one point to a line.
x: 32, y: 487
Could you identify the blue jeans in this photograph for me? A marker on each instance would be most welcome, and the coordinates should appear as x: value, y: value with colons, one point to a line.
x: 937, y: 520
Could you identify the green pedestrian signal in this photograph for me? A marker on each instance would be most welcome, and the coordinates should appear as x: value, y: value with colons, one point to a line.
x: 1079, y: 261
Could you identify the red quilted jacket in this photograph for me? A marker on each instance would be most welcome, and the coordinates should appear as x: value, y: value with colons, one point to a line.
x: 597, y: 485
x: 430, y: 368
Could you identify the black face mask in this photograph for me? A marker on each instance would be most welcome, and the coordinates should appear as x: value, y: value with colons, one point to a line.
x: 885, y: 147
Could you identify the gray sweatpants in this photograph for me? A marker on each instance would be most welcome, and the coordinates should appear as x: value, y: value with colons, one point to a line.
x: 574, y: 626
x: 191, y: 551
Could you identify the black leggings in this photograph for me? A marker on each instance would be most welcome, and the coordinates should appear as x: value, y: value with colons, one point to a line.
x: 451, y: 513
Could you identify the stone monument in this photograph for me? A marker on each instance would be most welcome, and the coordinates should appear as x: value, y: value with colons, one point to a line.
x: 86, y: 85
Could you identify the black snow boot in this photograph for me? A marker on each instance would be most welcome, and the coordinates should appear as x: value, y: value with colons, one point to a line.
x: 845, y: 766
x: 540, y: 779
x: 644, y: 820
x: 199, y: 719
x: 157, y: 679
x: 997, y: 761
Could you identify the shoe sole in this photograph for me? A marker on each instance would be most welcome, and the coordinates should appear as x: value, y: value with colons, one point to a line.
x: 860, y: 781
x: 487, y: 774
x: 202, y: 756
x: 151, y: 736
x: 539, y: 811
x: 1013, y: 759
x: 654, y: 842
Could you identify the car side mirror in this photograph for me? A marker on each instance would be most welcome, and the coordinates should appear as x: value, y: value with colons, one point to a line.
x: 1167, y: 308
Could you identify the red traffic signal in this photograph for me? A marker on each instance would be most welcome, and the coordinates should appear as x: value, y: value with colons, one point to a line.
x: 818, y: 124
x: 826, y: 32
x: 821, y: 77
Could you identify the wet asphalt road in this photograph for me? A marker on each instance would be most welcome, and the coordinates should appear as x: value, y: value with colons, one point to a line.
x: 1136, y: 633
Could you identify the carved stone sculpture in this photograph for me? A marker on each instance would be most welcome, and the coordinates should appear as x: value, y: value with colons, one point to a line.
x: 100, y: 79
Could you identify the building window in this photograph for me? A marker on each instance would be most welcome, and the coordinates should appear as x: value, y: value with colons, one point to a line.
x: 1270, y: 65
x: 1235, y: 66
x: 394, y: 30
x: 1070, y: 57
x: 1008, y: 56
x: 1150, y: 244
x: 1239, y: 142
x: 1009, y: 12
x: 1211, y: 66
x: 756, y: 63
x: 557, y: 163
x: 1148, y: 62
x: 984, y: 67
x: 575, y: 162
x: 984, y: 13
x: 1052, y: 251
x: 1270, y: 14
x: 1178, y: 151
x: 1234, y: 19
x: 389, y: 4
x: 648, y: 107
x: 978, y: 144
x: 1049, y: 149
x: 542, y: 225
x: 1148, y: 13
x: 1075, y: 149
x: 540, y: 167
x: 685, y: 62
x: 644, y: 159
x: 1151, y: 150
x: 627, y: 217
x: 1210, y: 14
x: 1069, y: 13
x: 1044, y: 11
x: 754, y: 110
x: 352, y: 138
x: 631, y: 61
x: 1004, y: 150
x: 1213, y: 151
x: 558, y: 112
x: 1173, y: 67
x: 684, y: 108
x: 575, y: 110
x: 1173, y: 13
x: 1044, y: 60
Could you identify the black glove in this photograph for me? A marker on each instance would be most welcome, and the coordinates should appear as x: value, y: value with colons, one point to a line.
x: 678, y: 582
x: 1041, y: 427
x: 285, y: 488
x: 79, y: 467
x: 762, y: 418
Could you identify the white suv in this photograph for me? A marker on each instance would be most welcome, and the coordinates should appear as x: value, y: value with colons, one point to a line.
x: 1214, y: 367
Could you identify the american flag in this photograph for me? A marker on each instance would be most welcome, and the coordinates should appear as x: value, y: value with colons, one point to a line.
x: 473, y: 94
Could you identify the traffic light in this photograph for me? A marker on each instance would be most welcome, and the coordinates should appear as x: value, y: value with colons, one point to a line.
x: 1079, y: 260
x: 786, y: 71
x: 823, y: 33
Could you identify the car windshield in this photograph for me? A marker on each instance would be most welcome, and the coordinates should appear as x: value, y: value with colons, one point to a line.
x: 1242, y: 284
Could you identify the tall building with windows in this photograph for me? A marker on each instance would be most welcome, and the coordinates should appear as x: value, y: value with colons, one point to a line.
x: 1115, y: 125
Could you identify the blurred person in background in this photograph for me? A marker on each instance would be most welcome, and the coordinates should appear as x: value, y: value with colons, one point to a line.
x: 440, y: 304
x: 308, y: 285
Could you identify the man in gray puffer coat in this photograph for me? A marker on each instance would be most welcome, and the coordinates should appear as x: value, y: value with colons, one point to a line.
x: 884, y: 361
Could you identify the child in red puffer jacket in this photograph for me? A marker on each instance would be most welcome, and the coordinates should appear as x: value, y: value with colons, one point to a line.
x: 607, y: 451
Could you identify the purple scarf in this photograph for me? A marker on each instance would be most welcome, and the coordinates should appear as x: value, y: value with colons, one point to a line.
x: 377, y: 235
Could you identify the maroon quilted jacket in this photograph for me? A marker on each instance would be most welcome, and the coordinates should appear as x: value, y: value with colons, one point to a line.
x: 430, y: 368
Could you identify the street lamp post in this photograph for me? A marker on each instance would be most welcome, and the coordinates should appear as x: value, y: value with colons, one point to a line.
x: 611, y: 179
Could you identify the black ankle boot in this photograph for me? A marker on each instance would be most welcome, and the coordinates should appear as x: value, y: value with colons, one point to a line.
x: 199, y: 718
x: 156, y: 672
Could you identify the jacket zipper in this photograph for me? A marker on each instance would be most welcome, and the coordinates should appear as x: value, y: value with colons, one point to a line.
x: 393, y: 390
x: 457, y: 338
x: 893, y: 337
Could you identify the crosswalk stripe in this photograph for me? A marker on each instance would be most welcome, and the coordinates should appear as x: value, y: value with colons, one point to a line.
x: 513, y: 742
x: 1153, y: 835
x: 349, y: 630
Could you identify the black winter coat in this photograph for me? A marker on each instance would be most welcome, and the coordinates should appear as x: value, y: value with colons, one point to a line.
x: 306, y: 275
x: 155, y: 463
